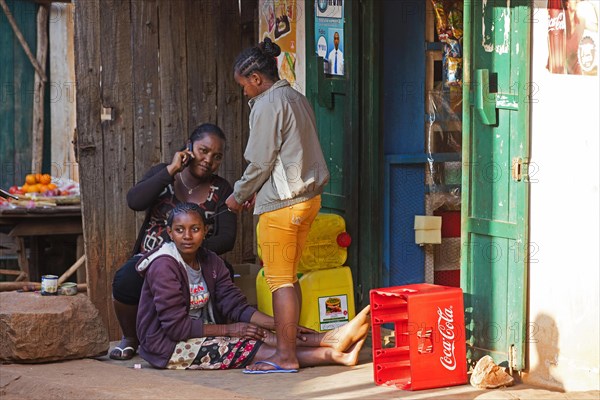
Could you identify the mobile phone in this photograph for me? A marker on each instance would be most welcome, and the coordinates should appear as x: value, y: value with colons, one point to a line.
x: 190, y: 148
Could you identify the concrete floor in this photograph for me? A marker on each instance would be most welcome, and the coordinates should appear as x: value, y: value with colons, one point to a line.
x: 102, y: 378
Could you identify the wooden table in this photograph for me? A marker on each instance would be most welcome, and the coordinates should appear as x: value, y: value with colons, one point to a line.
x: 35, y: 223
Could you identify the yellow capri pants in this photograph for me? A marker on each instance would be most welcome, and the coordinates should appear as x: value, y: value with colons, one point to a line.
x: 281, y: 237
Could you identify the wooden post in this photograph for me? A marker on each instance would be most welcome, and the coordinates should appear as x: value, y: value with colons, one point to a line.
x: 38, y: 91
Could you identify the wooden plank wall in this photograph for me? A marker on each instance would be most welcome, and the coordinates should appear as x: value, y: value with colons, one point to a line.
x: 162, y: 67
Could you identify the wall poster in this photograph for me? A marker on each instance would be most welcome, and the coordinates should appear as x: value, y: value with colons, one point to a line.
x: 573, y: 37
x: 277, y: 21
x: 329, y: 34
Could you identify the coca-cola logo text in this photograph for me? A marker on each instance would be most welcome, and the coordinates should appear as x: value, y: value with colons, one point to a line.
x: 557, y: 23
x: 446, y: 329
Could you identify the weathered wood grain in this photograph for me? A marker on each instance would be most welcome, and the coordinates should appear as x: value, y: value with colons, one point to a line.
x: 166, y: 67
x: 117, y: 93
x: 229, y: 108
x: 37, y: 144
x: 202, y: 38
x: 90, y: 148
x: 146, y: 91
x: 173, y: 77
x: 248, y: 37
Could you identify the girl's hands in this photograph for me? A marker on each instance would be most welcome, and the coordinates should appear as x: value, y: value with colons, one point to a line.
x: 249, y: 204
x: 246, y: 330
x: 180, y: 160
x: 232, y: 204
x: 236, y: 207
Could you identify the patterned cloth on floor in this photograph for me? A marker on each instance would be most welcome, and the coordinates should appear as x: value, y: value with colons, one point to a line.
x: 219, y: 352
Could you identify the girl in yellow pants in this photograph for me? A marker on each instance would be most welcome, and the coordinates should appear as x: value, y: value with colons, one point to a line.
x: 283, y: 181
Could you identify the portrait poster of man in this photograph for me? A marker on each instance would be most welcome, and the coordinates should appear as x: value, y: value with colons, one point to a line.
x: 336, y: 55
x: 329, y: 34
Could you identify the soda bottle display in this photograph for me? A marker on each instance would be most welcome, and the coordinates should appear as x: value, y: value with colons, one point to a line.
x: 556, y: 37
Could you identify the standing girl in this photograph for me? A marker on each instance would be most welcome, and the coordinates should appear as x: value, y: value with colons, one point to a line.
x: 284, y: 181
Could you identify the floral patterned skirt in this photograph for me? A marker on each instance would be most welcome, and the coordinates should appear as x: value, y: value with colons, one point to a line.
x: 220, y: 352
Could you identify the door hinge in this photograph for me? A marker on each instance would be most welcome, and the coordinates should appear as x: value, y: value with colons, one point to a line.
x: 512, y: 358
x: 519, y: 168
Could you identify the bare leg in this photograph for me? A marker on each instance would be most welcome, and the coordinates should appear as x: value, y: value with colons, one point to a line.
x: 314, y: 356
x: 343, y: 337
x: 299, y: 295
x: 339, y: 339
x: 286, y: 312
x: 126, y: 315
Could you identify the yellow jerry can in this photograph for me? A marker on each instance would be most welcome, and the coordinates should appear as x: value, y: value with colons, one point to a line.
x: 326, y: 245
x: 327, y: 297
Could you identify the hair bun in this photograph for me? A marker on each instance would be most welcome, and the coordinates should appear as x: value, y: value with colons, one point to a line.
x: 269, y: 48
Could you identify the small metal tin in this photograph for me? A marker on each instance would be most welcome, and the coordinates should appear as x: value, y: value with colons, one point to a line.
x: 68, y: 289
x: 49, y: 285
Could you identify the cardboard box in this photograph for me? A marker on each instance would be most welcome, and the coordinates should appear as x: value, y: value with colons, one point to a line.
x: 245, y: 279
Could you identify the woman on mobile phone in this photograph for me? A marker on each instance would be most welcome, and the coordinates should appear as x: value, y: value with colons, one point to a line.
x: 190, y: 177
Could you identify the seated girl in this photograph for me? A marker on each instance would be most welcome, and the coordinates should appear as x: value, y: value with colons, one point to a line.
x: 188, y: 296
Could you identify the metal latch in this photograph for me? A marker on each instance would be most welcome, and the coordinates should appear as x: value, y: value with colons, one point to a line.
x: 519, y: 168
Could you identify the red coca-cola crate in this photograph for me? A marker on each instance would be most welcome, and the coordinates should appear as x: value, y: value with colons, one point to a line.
x: 430, y: 348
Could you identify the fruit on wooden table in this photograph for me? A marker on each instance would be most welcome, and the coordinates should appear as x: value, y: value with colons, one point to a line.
x: 38, y: 183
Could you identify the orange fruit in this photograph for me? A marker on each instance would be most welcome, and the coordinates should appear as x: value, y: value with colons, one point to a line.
x: 38, y: 178
x: 45, y: 179
x: 25, y: 187
x: 30, y: 179
x: 52, y: 186
x: 42, y: 188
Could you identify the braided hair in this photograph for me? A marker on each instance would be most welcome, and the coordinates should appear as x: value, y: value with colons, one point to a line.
x: 184, y: 208
x: 260, y: 58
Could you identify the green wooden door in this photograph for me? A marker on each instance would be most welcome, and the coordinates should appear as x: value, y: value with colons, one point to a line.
x: 331, y: 97
x: 495, y: 186
x: 349, y: 136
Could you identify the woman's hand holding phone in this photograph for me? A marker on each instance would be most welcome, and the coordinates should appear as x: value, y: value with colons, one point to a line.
x: 181, y: 160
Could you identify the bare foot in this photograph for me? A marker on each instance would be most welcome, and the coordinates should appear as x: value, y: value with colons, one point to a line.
x: 350, y: 357
x: 264, y: 365
x: 342, y: 338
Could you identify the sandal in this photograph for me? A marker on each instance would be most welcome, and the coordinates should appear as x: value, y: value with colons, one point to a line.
x: 122, y: 354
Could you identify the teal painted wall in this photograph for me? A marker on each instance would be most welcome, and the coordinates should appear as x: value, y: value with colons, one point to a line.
x: 16, y: 96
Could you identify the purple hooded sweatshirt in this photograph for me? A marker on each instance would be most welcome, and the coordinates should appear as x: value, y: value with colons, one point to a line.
x: 162, y: 318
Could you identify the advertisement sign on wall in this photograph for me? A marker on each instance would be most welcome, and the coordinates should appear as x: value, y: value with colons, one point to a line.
x: 573, y: 37
x: 329, y: 34
x: 277, y: 21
